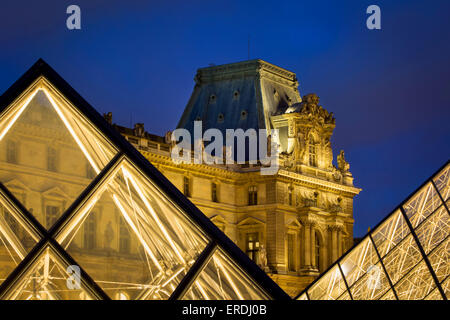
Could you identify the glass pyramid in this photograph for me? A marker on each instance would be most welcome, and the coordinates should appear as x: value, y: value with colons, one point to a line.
x: 406, y: 257
x: 76, y: 196
x: 50, y: 153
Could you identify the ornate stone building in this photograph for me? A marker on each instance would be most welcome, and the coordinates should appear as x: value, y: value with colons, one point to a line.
x: 295, y: 223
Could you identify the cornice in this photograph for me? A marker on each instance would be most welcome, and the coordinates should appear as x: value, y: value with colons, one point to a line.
x: 319, y: 182
x: 251, y: 68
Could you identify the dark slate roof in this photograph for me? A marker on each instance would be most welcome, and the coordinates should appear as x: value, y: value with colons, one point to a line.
x: 240, y: 95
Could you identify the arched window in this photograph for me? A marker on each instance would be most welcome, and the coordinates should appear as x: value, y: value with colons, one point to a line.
x: 252, y: 196
x: 317, y: 250
x: 312, y: 152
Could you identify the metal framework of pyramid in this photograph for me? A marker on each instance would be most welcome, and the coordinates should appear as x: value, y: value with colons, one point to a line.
x: 155, y: 244
x: 405, y: 257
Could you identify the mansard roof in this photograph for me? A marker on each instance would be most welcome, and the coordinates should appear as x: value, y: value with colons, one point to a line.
x: 240, y: 95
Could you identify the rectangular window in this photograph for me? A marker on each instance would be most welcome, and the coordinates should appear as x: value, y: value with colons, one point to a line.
x: 214, y: 197
x: 11, y: 151
x: 252, y: 196
x: 186, y: 187
x: 90, y: 231
x: 51, y: 159
x: 52, y: 213
x: 291, y: 251
x: 124, y: 237
x: 252, y: 246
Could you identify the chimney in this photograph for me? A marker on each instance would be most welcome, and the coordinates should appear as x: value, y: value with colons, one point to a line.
x: 108, y: 117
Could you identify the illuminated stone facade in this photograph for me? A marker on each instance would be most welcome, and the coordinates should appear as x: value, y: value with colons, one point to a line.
x: 293, y: 224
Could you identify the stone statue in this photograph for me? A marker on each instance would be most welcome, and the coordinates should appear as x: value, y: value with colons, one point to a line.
x: 262, y: 257
x: 343, y: 165
x: 108, y: 235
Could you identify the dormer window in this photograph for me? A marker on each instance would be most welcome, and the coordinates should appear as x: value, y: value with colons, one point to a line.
x: 212, y: 99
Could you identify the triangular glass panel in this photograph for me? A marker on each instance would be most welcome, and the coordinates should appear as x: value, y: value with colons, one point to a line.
x: 51, y: 152
x: 303, y: 297
x: 422, y: 204
x: 446, y: 286
x: 390, y: 233
x: 388, y: 296
x: 440, y: 260
x: 363, y: 272
x: 416, y: 284
x: 434, y: 295
x: 132, y: 240
x: 402, y: 258
x: 330, y: 287
x: 17, y: 238
x: 222, y: 279
x: 359, y: 261
x: 372, y: 285
x: 434, y: 229
x: 49, y: 277
x: 442, y: 182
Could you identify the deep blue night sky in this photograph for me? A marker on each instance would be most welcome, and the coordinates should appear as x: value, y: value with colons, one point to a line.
x: 389, y: 89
